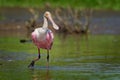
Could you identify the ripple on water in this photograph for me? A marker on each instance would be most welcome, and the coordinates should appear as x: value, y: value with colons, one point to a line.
x: 86, y: 68
x: 12, y: 56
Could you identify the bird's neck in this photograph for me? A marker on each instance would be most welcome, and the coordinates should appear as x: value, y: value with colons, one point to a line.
x: 45, y: 23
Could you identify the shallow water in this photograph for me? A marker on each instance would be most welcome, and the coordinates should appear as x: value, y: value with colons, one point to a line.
x: 84, y: 59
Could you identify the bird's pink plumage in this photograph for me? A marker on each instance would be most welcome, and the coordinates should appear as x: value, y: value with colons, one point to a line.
x: 45, y: 44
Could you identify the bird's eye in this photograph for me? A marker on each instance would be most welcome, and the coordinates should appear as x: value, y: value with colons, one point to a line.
x: 47, y: 14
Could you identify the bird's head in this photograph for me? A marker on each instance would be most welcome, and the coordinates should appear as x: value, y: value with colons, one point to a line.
x: 48, y: 15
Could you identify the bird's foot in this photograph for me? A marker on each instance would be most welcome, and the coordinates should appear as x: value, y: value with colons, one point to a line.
x: 31, y: 65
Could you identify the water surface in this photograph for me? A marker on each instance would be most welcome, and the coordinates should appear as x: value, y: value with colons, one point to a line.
x: 92, y: 57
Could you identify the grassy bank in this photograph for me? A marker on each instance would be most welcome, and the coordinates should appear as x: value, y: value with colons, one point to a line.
x: 95, y: 4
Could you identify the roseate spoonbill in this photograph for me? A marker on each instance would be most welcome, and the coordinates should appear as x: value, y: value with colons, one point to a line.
x: 43, y: 37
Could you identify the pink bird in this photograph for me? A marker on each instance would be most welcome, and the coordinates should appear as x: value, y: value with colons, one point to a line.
x: 43, y: 37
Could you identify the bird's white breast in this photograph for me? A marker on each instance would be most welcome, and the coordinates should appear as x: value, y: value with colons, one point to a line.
x: 40, y: 33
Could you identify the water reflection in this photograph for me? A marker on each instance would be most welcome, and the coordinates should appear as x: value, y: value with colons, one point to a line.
x: 66, y: 41
x: 40, y: 73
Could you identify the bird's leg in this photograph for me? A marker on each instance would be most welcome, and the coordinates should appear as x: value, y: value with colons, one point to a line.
x: 47, y: 57
x: 36, y: 59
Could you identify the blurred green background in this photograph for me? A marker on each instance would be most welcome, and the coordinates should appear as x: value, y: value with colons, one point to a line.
x: 96, y: 4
